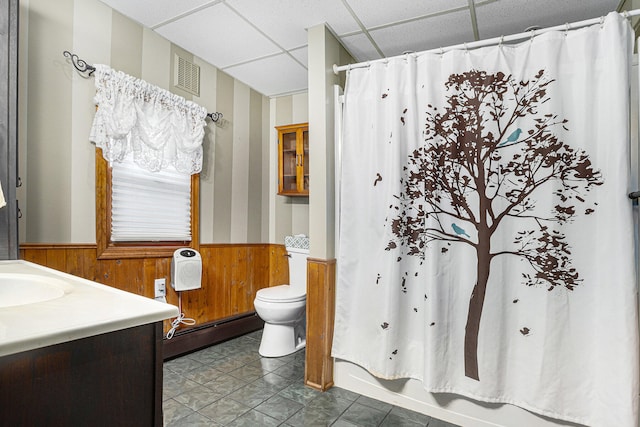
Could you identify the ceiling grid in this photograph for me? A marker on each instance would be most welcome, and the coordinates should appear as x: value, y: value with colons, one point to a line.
x: 264, y: 43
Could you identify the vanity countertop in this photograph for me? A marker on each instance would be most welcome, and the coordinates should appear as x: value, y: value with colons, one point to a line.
x: 83, y: 309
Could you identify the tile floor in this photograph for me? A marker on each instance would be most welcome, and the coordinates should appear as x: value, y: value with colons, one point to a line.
x: 229, y: 384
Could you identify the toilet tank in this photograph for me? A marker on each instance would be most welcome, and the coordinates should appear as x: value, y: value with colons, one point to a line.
x: 298, y: 267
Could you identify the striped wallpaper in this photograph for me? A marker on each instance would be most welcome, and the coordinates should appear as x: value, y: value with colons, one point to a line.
x: 238, y: 201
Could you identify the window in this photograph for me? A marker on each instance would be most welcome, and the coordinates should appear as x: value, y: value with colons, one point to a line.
x: 142, y: 214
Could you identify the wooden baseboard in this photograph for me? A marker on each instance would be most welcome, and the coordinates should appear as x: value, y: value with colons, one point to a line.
x: 193, y: 339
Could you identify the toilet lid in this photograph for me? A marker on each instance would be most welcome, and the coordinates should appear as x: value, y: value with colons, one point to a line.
x: 282, y: 293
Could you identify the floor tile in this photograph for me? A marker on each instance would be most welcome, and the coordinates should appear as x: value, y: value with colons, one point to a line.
x: 410, y: 415
x: 394, y: 420
x: 330, y: 404
x: 268, y: 364
x: 207, y: 356
x: 194, y: 420
x: 182, y: 365
x: 247, y: 373
x: 247, y: 356
x: 273, y: 381
x: 373, y: 403
x: 225, y: 384
x: 204, y: 375
x: 229, y: 384
x: 311, y: 417
x: 224, y: 411
x: 226, y: 365
x: 279, y: 407
x: 344, y: 394
x: 298, y: 392
x: 291, y: 371
x: 252, y: 395
x: 175, y: 384
x: 254, y: 418
x: 198, y: 397
x: 173, y: 411
x: 342, y: 423
x: 362, y: 415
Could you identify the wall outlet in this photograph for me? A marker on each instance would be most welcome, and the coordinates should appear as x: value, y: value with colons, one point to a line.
x: 160, y: 288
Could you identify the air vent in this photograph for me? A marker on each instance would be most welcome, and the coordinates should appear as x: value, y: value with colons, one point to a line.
x: 186, y: 75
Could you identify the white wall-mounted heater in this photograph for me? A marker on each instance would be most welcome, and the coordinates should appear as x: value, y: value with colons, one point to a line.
x: 186, y: 270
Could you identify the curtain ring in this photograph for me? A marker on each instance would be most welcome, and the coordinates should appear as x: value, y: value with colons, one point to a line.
x: 466, y: 49
x: 567, y: 28
x: 441, y: 53
x: 501, y: 40
x: 625, y: 14
x: 533, y: 34
x: 602, y: 21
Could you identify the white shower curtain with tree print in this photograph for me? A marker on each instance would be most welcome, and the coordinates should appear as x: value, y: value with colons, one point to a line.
x: 486, y: 243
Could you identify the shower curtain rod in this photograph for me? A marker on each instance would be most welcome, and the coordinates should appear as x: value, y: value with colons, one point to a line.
x: 498, y: 40
x: 488, y: 42
x: 83, y: 67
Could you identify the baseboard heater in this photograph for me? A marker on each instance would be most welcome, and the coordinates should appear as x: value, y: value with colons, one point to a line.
x: 201, y: 336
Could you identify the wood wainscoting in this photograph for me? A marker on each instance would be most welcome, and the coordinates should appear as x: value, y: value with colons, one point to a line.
x: 231, y: 276
x: 321, y: 291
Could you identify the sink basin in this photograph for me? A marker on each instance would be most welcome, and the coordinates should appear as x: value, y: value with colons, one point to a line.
x: 21, y: 289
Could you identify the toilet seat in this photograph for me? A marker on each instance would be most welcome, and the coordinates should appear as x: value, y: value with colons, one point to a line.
x: 281, y: 293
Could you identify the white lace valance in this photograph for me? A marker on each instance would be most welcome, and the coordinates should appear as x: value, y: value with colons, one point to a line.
x: 159, y: 127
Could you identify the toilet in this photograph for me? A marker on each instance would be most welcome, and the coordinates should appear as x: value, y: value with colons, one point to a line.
x: 283, y: 309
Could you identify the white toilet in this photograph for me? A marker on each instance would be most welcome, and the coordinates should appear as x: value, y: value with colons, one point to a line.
x: 283, y: 309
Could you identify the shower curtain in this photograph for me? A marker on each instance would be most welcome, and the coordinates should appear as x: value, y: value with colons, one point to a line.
x: 486, y: 240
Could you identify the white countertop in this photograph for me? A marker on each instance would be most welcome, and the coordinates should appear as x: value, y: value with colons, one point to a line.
x: 85, y: 309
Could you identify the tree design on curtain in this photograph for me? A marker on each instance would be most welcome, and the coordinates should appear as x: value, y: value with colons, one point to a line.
x: 485, y: 155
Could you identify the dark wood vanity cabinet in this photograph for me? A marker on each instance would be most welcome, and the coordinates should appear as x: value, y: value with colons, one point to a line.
x: 112, y: 379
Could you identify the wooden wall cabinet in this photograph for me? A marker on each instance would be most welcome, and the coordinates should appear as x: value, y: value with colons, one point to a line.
x: 293, y: 160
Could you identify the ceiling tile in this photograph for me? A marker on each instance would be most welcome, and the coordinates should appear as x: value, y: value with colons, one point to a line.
x: 286, y: 21
x: 219, y: 36
x: 506, y: 17
x: 272, y: 76
x: 373, y: 13
x: 152, y: 14
x: 430, y: 33
x: 360, y: 47
x: 301, y: 55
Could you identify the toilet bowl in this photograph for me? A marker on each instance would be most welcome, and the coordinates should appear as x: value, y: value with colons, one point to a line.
x: 283, y: 309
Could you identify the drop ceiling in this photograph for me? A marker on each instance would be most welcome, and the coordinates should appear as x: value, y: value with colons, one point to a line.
x: 263, y: 43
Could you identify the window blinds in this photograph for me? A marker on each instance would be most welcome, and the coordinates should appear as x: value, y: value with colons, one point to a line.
x: 149, y: 206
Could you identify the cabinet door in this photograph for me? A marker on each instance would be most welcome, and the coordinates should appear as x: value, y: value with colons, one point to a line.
x: 293, y: 160
x: 304, y: 161
x: 288, y: 181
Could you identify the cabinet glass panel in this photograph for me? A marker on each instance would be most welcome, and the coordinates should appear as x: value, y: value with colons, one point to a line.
x: 305, y: 147
x: 289, y: 156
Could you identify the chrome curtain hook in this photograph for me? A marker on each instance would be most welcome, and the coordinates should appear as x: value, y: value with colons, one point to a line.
x: 501, y: 41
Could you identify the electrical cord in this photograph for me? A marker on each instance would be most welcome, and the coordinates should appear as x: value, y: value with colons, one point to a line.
x: 181, y: 319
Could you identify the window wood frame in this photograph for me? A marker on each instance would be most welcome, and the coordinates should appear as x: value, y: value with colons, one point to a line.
x: 106, y: 249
